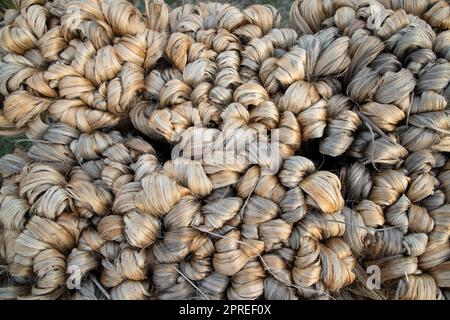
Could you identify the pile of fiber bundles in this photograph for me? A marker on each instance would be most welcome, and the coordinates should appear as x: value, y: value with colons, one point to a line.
x: 208, y: 152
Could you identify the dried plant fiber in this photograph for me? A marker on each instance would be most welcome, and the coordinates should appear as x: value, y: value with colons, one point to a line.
x: 215, y: 151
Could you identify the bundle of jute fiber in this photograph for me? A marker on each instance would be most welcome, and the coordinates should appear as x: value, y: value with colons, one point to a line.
x: 30, y: 40
x: 384, y: 141
x: 299, y: 158
x: 376, y: 69
x: 414, y: 44
x: 198, y: 223
x: 39, y: 224
x: 425, y: 128
x: 229, y: 235
x: 310, y: 16
x: 269, y: 65
x: 112, y: 183
x: 91, y: 75
x: 112, y: 246
x: 403, y: 209
x: 39, y: 228
x: 204, y: 54
x: 256, y: 67
x: 399, y: 222
x: 55, y: 214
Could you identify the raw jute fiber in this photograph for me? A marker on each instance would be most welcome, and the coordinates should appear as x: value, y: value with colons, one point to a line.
x: 209, y: 151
